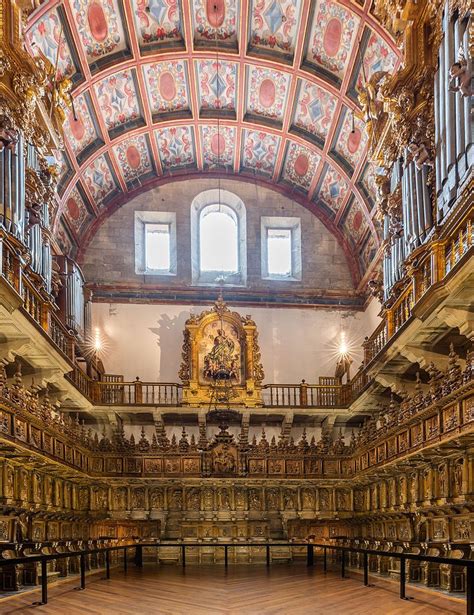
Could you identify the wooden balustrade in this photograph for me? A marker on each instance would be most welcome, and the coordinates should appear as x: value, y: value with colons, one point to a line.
x: 458, y: 246
x: 135, y: 393
x: 401, y: 310
x: 34, y: 304
x: 375, y: 343
x: 61, y: 337
x: 306, y: 395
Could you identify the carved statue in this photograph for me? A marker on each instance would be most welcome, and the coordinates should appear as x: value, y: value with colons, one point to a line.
x: 23, y: 528
x: 443, y: 480
x: 460, y: 76
x: 8, y: 134
x: 372, y: 107
x: 458, y: 477
x: 419, y: 154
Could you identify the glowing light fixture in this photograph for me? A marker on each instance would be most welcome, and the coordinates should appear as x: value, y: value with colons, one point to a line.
x: 97, y: 340
x: 343, y: 347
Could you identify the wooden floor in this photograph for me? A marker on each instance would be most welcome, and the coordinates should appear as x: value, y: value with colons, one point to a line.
x: 242, y: 590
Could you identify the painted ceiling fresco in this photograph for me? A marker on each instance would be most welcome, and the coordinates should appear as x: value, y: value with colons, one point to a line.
x: 264, y: 88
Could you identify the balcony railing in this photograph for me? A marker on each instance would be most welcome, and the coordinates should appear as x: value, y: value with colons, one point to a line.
x: 116, y: 392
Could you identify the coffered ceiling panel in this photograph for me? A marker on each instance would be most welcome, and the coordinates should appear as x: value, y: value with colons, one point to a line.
x: 158, y: 24
x: 265, y: 88
x: 167, y: 88
x: 274, y: 27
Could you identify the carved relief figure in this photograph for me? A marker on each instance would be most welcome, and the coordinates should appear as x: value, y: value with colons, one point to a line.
x: 138, y: 498
x: 224, y: 498
x: 359, y: 500
x: 120, y: 498
x: 208, y: 499
x: 413, y: 488
x: 239, y: 498
x: 176, y: 501
x: 342, y: 500
x: 156, y: 498
x: 289, y: 499
x: 308, y: 499
x: 402, y: 490
x: 194, y: 499
x: 324, y: 499
x: 462, y: 529
x: 224, y: 460
x: 255, y: 499
x: 272, y: 499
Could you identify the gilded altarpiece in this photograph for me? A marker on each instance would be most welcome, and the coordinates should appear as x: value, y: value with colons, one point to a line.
x: 221, y: 359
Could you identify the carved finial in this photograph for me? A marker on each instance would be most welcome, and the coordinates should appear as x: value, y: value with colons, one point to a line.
x: 183, y: 443
x: 143, y: 444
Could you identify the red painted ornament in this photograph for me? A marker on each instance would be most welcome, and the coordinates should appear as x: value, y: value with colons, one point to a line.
x: 332, y: 37
x: 357, y: 220
x: 353, y: 140
x: 217, y: 144
x: 301, y: 165
x: 77, y: 127
x: 73, y: 209
x: 167, y: 86
x: 267, y: 93
x: 97, y: 22
x: 133, y: 157
x: 215, y: 12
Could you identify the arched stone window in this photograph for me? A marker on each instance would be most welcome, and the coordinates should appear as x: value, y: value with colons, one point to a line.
x: 218, y: 239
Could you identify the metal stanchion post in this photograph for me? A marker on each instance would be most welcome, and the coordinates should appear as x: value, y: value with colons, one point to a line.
x: 470, y: 590
x: 402, y: 578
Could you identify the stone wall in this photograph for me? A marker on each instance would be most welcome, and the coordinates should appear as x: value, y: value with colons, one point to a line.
x: 110, y: 257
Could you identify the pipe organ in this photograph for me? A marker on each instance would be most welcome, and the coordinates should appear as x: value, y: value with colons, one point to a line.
x: 73, y: 300
x: 453, y: 105
x: 408, y: 223
x: 12, y: 181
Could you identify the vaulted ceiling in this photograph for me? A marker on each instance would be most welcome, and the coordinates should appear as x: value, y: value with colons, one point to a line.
x: 266, y: 89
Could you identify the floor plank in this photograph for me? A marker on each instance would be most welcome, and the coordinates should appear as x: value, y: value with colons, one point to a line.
x: 241, y: 590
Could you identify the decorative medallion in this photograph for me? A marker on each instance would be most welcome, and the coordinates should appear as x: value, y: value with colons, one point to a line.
x: 300, y: 165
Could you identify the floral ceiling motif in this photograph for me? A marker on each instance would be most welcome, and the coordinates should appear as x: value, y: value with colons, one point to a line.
x: 168, y: 87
